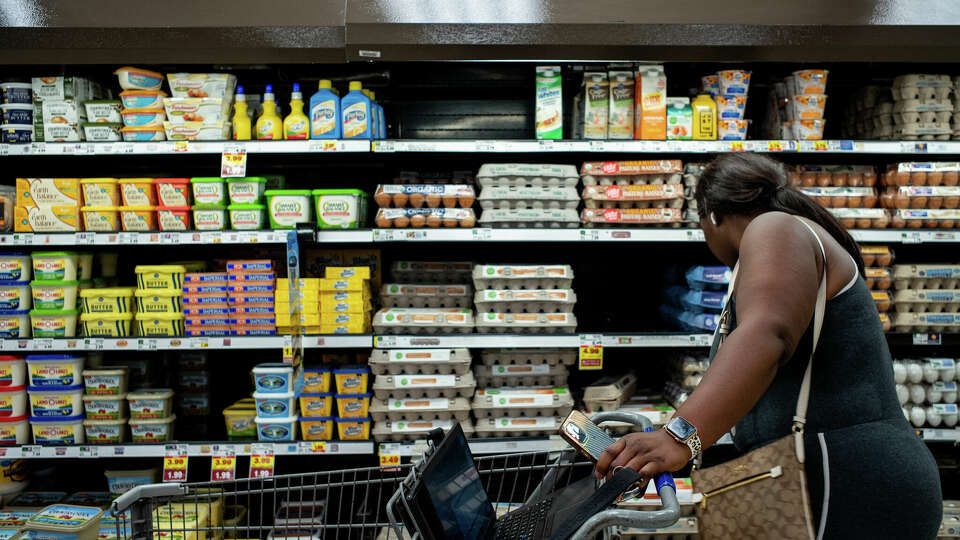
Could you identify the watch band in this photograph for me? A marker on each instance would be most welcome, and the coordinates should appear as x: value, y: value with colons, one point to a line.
x: 695, y: 446
x: 692, y: 442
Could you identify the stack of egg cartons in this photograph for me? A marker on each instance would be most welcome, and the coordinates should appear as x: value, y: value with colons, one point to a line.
x: 13, y: 394
x: 806, y: 101
x: 696, y: 297
x: 160, y: 300
x: 879, y: 277
x: 200, y: 107
x: 54, y: 289
x: 618, y: 392
x: 425, y: 205
x: 691, y: 177
x: 58, y: 107
x: 526, y: 299
x: 353, y: 402
x: 445, y: 372
x: 56, y: 398
x: 143, y: 115
x: 16, y: 298
x: 927, y: 390
x: 345, y: 300
x: 308, y: 304
x: 922, y: 107
x: 528, y: 196
x: 105, y: 404
x: 47, y: 205
x: 433, y: 290
x: 629, y: 193
x: 926, y: 298
x: 206, y: 307
x: 252, y: 295
x: 276, y: 402
x: 193, y: 393
x: 924, y: 194
x: 869, y: 114
x: 685, y: 372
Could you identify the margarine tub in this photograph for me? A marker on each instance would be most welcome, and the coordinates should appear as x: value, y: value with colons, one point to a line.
x: 287, y: 207
x: 317, y: 429
x: 13, y: 371
x: 53, y: 323
x: 152, y: 430
x: 316, y: 404
x: 112, y: 300
x: 169, y: 276
x: 142, y: 99
x: 106, y: 382
x: 103, y: 110
x: 15, y: 267
x: 55, y: 265
x: 247, y: 217
x: 173, y: 218
x: 340, y: 208
x: 209, y: 218
x: 105, y: 219
x: 246, y: 190
x: 56, y: 402
x: 351, y: 379
x: 173, y: 191
x: 353, y: 405
x: 275, y: 378
x: 274, y: 405
x: 240, y: 419
x: 277, y: 429
x: 15, y: 295
x: 14, y: 430
x: 159, y: 300
x: 138, y: 218
x: 353, y: 429
x: 150, y: 403
x: 57, y: 431
x: 106, y: 324
x: 316, y: 380
x: 132, y: 78
x: 13, y: 401
x: 141, y: 118
x: 208, y: 191
x: 160, y: 324
x: 100, y: 192
x: 102, y: 132
x: 143, y: 134
x: 54, y: 294
x: 54, y: 370
x: 104, y: 407
x: 105, y: 432
x: 64, y: 522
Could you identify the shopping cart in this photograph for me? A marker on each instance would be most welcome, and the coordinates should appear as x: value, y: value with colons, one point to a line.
x: 355, y: 503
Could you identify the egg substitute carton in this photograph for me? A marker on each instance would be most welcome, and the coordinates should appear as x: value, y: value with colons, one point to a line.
x: 525, y: 301
x: 518, y: 276
x: 530, y: 218
x: 618, y: 217
x: 566, y: 357
x: 526, y: 323
x: 424, y: 321
x: 431, y: 272
x: 624, y: 173
x: 499, y: 375
x: 424, y: 386
x: 532, y: 175
x: 522, y: 401
x: 686, y: 528
x: 648, y: 196
x: 412, y: 295
x: 419, y: 195
x: 517, y: 426
x: 403, y: 430
x: 926, y: 276
x: 417, y: 218
x: 924, y: 322
x: 419, y: 361
x: 923, y: 131
x: 927, y: 300
x: 409, y: 409
x: 534, y: 198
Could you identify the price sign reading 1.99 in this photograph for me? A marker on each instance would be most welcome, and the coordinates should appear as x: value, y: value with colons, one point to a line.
x: 223, y: 464
x: 262, y: 461
x: 175, y: 463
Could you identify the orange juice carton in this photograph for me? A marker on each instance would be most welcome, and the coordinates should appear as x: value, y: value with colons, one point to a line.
x: 651, y: 103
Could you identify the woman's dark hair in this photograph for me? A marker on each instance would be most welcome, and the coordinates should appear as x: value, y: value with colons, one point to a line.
x: 746, y: 184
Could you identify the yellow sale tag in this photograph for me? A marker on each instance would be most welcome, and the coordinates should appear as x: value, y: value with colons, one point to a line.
x: 233, y: 162
x: 820, y: 146
x: 175, y: 465
x: 223, y: 468
x: 319, y: 447
x: 180, y: 146
x: 591, y: 357
x: 736, y: 146
x: 261, y: 465
x: 389, y: 460
x: 774, y: 146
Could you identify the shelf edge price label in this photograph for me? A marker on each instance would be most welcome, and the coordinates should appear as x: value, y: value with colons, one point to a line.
x: 233, y: 161
x: 774, y: 146
x: 736, y: 146
x: 927, y: 339
x: 175, y: 463
x: 262, y: 461
x: 591, y: 351
x: 820, y: 146
x: 389, y: 460
x: 223, y: 464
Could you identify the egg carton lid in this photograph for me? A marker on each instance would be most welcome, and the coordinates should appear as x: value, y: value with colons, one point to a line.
x: 566, y: 357
x: 426, y: 189
x: 941, y: 213
x: 496, y: 170
x: 925, y: 166
x: 611, y: 387
x: 928, y: 271
x: 411, y: 361
x: 403, y: 430
x: 424, y: 317
x: 517, y: 425
x: 528, y: 193
x: 530, y: 215
x: 617, y: 168
x: 924, y: 80
x: 527, y: 320
x: 428, y: 267
x: 927, y: 295
x: 917, y: 105
x: 854, y: 213
x: 598, y: 405
x: 490, y: 272
x: 838, y: 191
x: 557, y: 296
x: 522, y: 205
x: 631, y: 216
x: 926, y: 319
x: 425, y: 290
x: 649, y: 192
x: 502, y: 181
x: 923, y: 128
x: 930, y: 191
x: 497, y: 372
x: 883, y: 108
x: 441, y: 408
x: 417, y: 386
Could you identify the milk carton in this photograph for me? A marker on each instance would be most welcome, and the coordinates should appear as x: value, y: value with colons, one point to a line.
x: 620, y: 122
x: 596, y: 106
x: 549, y: 103
x: 651, y: 103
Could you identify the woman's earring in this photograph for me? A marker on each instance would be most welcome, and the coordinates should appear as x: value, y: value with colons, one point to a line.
x: 713, y: 218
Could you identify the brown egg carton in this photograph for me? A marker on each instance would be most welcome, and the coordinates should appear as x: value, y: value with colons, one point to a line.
x: 928, y: 173
x: 927, y: 300
x: 500, y: 375
x: 599, y: 173
x: 927, y: 219
x: 632, y: 196
x: 833, y: 176
x: 862, y: 218
x: 520, y: 401
x: 620, y: 217
x: 611, y: 387
x: 883, y: 300
x: 566, y: 357
x: 921, y: 197
x: 842, y: 197
x: 926, y: 322
x: 880, y: 279
x: 412, y: 295
x: 423, y: 386
x: 517, y: 426
x: 877, y: 255
x: 431, y: 272
x: 420, y: 195
x: 412, y: 409
x: 415, y: 430
x: 419, y: 361
x: 435, y: 177
x: 418, y: 218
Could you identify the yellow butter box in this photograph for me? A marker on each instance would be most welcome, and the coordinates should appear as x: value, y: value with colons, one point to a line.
x: 307, y: 330
x: 305, y: 285
x: 345, y: 285
x: 339, y: 319
x: 284, y: 307
x: 346, y: 272
x: 365, y: 257
x: 46, y: 219
x: 33, y: 192
x: 358, y: 327
x: 306, y: 319
x: 345, y: 302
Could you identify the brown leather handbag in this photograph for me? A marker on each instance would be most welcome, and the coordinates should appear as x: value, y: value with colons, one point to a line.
x: 762, y: 494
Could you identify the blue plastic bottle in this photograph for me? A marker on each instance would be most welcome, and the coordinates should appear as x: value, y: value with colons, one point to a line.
x: 325, y: 113
x: 381, y: 123
x: 355, y: 111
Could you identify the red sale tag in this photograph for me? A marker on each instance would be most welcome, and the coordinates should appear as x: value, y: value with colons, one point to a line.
x: 262, y: 461
x: 223, y: 464
x: 175, y: 463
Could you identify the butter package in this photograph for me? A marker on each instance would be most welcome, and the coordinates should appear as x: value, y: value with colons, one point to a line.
x: 596, y: 105
x: 347, y: 272
x: 349, y: 285
x: 651, y: 103
x: 356, y: 327
x: 33, y: 192
x: 345, y: 319
x: 365, y: 257
x: 61, y: 88
x: 345, y: 302
x: 47, y: 219
x: 621, y: 120
x: 63, y: 112
x: 306, y: 318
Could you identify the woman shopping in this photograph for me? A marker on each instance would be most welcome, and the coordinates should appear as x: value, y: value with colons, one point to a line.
x: 803, y: 367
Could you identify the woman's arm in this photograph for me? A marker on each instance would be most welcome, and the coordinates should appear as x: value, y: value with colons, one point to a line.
x: 776, y: 296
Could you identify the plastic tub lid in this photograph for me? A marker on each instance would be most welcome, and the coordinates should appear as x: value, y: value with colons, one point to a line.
x: 14, y: 254
x: 137, y: 208
x: 55, y: 254
x: 346, y: 420
x: 53, y: 283
x: 98, y: 180
x: 144, y: 268
x: 51, y: 357
x: 352, y: 369
x: 174, y: 208
x: 52, y: 389
x: 357, y: 192
x: 20, y: 388
x: 318, y: 394
x: 208, y: 207
x: 277, y: 420
x: 151, y: 393
x: 116, y: 422
x: 317, y: 370
x: 273, y: 365
x: 157, y: 292
x: 268, y: 395
x: 298, y: 192
x: 259, y: 179
x: 159, y: 316
x: 104, y: 397
x: 119, y: 370
x: 16, y: 312
x: 9, y: 358
x: 245, y: 206
x: 21, y: 283
x: 138, y: 180
x: 354, y: 396
x: 202, y: 179
x: 318, y: 419
x: 113, y: 291
x: 55, y: 420
x: 13, y: 419
x: 167, y: 420
x: 99, y: 208
x: 106, y: 317
x: 58, y: 518
x: 171, y: 180
x: 53, y: 312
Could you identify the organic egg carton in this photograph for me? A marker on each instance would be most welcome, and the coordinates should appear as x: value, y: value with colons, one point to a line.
x: 923, y: 131
x: 423, y: 386
x: 424, y: 321
x: 862, y: 218
x: 431, y: 272
x: 418, y: 218
x: 525, y: 301
x: 408, y: 295
x: 418, y: 195
x: 435, y: 177
x: 922, y: 174
x: 526, y: 323
x: 927, y: 301
x: 520, y: 401
x: 532, y: 198
x: 397, y: 431
x: 926, y: 322
x: 419, y: 361
x: 648, y: 196
x: 499, y: 375
x: 624, y: 173
x: 530, y: 219
x: 516, y: 276
x: 685, y: 528
x: 930, y: 219
x: 517, y: 426
x: 520, y: 175
x: 921, y: 197
x: 635, y: 180
x: 618, y: 217
x: 419, y: 409
x: 926, y: 276
x: 566, y: 357
x: 880, y: 279
x: 843, y: 197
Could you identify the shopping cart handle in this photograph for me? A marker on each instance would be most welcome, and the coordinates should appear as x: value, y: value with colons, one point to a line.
x: 622, y: 416
x: 126, y: 500
x: 662, y: 479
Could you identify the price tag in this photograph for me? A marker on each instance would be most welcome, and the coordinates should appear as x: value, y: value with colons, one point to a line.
x: 913, y: 147
x: 43, y: 344
x: 178, y: 146
x: 547, y: 145
x: 317, y: 447
x: 484, y: 147
x: 389, y: 460
x: 591, y: 351
x: 30, y: 451
x: 702, y: 340
x: 4, y: 150
x: 233, y: 161
x: 84, y: 238
x: 170, y: 238
x: 147, y: 344
x: 223, y: 464
x: 736, y: 146
x: 175, y: 463
x: 127, y: 148
x: 88, y: 452
x: 820, y: 146
x: 927, y: 339
x: 482, y: 235
x: 384, y: 146
x: 262, y: 461
x: 774, y: 146
x: 696, y: 235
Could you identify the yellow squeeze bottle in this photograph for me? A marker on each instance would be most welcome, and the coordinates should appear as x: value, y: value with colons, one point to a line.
x: 296, y: 125
x: 241, y: 122
x: 704, y: 118
x: 269, y: 125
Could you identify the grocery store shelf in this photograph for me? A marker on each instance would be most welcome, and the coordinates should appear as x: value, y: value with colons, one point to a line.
x: 537, y: 235
x: 295, y: 448
x: 900, y: 236
x: 940, y: 435
x: 553, y: 443
x: 534, y: 341
x: 359, y: 341
x: 146, y: 238
x: 183, y: 147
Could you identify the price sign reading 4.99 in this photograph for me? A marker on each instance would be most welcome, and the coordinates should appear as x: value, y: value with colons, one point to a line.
x: 175, y: 463
x: 223, y: 464
x: 262, y: 461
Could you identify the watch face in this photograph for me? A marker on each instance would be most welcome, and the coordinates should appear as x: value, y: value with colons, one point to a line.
x: 681, y: 428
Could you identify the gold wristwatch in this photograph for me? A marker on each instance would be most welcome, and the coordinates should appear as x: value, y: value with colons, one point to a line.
x: 685, y: 433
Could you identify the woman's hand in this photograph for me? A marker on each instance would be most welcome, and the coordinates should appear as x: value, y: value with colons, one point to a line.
x: 648, y: 453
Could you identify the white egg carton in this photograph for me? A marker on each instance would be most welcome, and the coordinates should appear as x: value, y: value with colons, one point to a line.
x: 903, y: 94
x: 648, y: 196
x: 920, y: 394
x: 532, y: 175
x: 923, y: 131
x: 925, y: 80
x: 516, y: 276
x: 525, y: 301
x: 603, y: 405
x: 415, y: 430
x: 926, y: 276
x: 530, y: 218
x: 517, y: 426
x: 611, y: 387
x: 926, y: 322
x: 423, y: 386
x: 412, y: 295
x: 520, y: 401
x: 419, y: 361
x: 939, y: 415
x: 566, y: 357
x: 424, y: 321
x: 526, y: 323
x: 625, y: 173
x: 927, y: 370
x: 927, y: 300
x: 418, y: 409
x: 684, y: 529
x: 431, y: 272
x: 499, y: 375
x: 534, y: 198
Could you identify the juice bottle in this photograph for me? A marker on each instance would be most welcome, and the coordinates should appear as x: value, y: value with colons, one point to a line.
x: 373, y: 114
x: 241, y: 122
x: 704, y: 118
x: 296, y: 125
x: 325, y: 113
x: 355, y: 111
x: 269, y: 125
